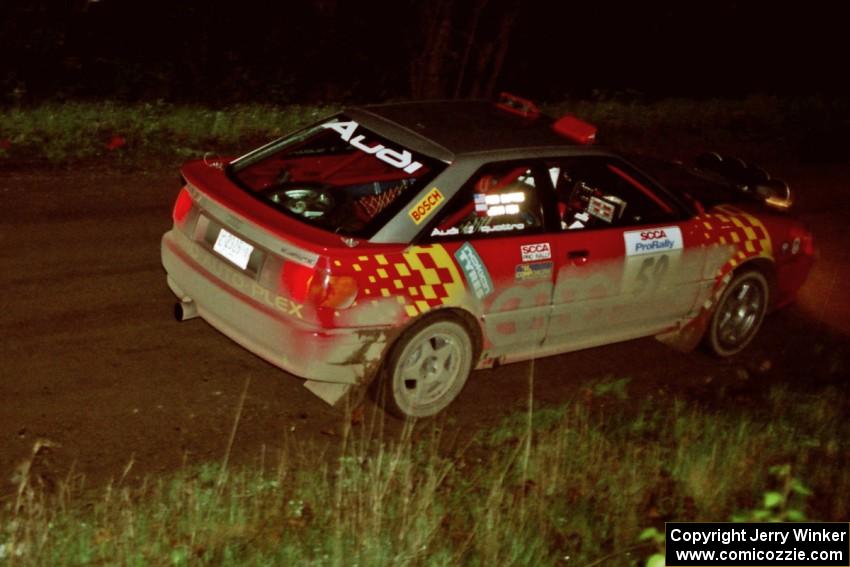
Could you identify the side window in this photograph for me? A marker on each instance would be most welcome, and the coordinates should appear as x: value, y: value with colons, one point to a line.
x: 500, y: 198
x: 599, y: 192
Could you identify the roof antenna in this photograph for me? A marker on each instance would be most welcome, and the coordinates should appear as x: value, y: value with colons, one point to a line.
x: 212, y: 159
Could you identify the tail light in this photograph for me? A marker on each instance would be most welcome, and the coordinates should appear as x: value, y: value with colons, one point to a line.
x: 296, y: 280
x: 336, y: 292
x: 182, y: 206
x: 318, y: 287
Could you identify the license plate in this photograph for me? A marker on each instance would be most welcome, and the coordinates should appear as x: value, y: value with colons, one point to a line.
x: 233, y: 248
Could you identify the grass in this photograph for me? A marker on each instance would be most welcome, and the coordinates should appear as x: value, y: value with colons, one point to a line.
x: 61, y: 133
x: 762, y: 127
x: 74, y: 132
x: 568, y: 485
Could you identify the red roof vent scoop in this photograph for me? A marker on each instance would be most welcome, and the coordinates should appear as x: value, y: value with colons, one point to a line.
x: 575, y: 129
x: 517, y: 105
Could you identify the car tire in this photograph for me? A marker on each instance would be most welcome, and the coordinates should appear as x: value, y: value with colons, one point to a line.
x: 738, y: 314
x: 427, y: 368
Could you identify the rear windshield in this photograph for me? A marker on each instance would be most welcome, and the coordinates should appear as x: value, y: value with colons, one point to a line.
x: 336, y: 175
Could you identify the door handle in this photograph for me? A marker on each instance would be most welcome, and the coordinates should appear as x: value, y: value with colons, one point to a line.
x: 577, y: 257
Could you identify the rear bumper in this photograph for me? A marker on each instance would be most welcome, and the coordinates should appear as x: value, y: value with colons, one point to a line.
x: 235, y: 305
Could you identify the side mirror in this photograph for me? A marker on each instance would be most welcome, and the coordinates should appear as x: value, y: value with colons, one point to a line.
x: 775, y: 193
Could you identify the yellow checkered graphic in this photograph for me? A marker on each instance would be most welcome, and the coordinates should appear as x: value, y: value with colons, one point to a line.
x: 746, y: 233
x: 420, y: 278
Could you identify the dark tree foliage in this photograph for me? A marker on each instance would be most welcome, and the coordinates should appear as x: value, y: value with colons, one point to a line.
x: 463, y: 47
x: 218, y: 52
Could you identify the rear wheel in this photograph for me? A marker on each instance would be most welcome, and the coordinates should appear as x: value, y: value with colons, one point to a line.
x: 428, y: 368
x: 738, y: 314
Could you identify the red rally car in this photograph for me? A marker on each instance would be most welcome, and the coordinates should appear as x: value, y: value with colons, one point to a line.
x: 407, y: 244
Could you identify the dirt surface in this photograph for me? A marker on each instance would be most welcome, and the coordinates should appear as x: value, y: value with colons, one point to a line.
x: 92, y: 361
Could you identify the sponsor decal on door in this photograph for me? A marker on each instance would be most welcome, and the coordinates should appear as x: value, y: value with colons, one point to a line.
x: 653, y: 241
x: 475, y: 271
x: 535, y: 252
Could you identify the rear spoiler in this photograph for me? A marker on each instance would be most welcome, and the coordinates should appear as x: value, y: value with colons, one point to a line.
x: 751, y: 180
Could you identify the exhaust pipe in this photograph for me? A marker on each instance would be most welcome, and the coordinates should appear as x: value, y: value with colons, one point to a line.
x: 185, y: 310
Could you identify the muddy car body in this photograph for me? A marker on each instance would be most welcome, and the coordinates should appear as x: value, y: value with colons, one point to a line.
x: 410, y: 243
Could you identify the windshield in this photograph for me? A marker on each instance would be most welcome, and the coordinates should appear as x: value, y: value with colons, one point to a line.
x: 336, y: 175
x: 708, y: 190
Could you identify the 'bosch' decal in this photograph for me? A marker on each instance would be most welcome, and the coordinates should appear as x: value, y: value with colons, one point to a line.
x: 533, y: 252
x: 425, y: 206
x: 401, y: 159
x: 653, y: 240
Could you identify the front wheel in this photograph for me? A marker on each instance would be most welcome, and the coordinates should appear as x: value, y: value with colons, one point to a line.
x: 427, y: 369
x: 738, y: 314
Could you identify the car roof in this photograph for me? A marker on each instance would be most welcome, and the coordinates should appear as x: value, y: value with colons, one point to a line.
x: 447, y: 129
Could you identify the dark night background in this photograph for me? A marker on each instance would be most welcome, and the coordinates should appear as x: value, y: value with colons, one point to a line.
x: 115, y: 418
x: 331, y: 50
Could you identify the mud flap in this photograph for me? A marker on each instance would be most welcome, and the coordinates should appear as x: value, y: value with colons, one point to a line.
x: 331, y: 393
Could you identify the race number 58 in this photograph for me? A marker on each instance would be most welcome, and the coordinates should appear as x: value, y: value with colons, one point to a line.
x: 651, y: 274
